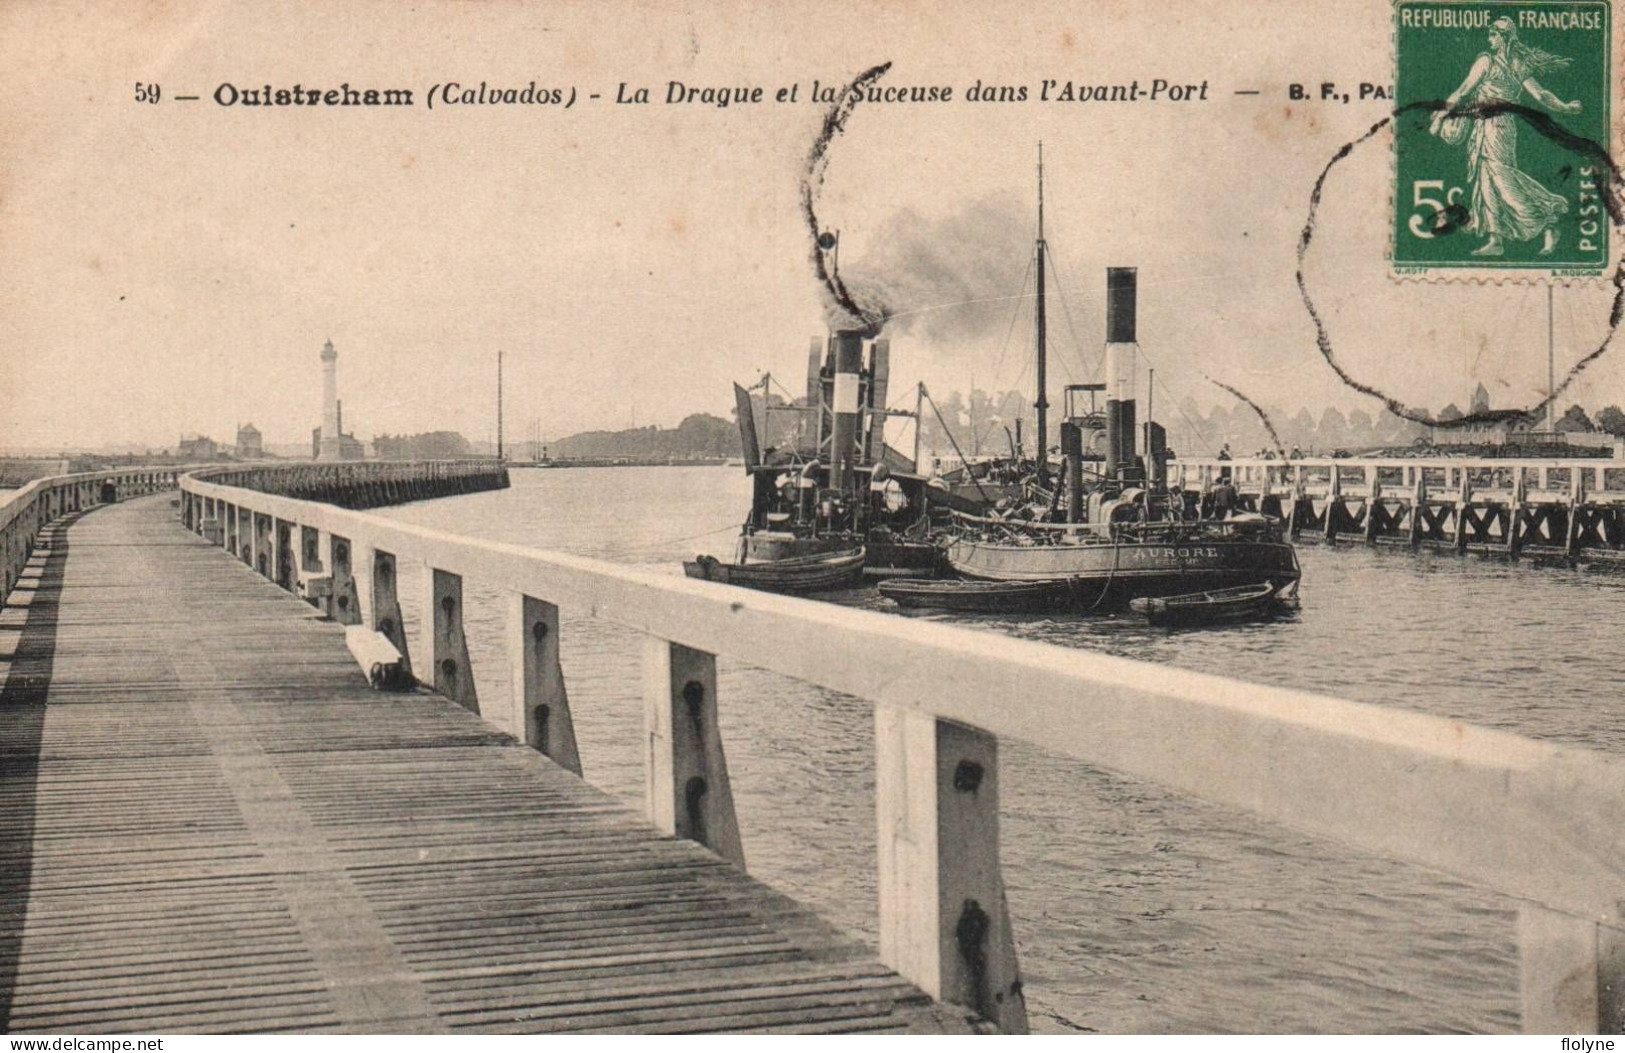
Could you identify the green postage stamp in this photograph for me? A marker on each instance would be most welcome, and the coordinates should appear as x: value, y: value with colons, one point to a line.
x: 1502, y: 138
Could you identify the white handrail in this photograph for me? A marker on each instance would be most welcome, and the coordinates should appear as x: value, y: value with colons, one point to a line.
x: 1529, y: 819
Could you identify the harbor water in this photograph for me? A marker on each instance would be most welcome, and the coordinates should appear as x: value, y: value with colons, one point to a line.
x: 1136, y: 909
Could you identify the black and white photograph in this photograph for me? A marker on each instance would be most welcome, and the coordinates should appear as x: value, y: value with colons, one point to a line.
x: 1063, y: 518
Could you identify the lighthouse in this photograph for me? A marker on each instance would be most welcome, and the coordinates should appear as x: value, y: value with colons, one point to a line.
x: 330, y: 449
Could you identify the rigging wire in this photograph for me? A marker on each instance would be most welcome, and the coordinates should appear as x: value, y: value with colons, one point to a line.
x: 1200, y: 432
x: 1014, y: 315
x: 788, y: 397
x: 1066, y: 309
x: 678, y: 540
x: 1070, y: 376
x: 955, y: 443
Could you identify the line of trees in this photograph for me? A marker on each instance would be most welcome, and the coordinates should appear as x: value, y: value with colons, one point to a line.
x: 425, y: 446
x: 700, y: 435
x: 984, y: 423
x: 980, y: 422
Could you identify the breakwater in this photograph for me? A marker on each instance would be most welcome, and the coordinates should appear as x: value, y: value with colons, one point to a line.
x: 367, y: 484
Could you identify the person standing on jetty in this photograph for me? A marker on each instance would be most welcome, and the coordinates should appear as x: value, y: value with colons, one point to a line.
x: 1507, y: 202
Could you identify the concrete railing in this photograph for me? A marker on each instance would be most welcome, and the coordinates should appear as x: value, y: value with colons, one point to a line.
x: 1533, y: 821
x: 23, y: 513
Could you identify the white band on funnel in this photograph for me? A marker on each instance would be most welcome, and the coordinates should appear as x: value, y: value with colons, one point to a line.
x: 1122, y: 365
x: 846, y: 393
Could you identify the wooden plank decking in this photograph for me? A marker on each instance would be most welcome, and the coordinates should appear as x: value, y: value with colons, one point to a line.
x: 209, y: 822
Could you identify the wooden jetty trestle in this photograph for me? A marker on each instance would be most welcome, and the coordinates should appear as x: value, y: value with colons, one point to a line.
x: 370, y: 484
x: 214, y: 824
x: 1573, y: 508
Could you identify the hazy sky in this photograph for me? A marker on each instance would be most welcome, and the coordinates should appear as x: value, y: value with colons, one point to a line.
x: 176, y: 267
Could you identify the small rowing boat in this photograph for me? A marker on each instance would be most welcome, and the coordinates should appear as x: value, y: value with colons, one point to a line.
x: 1208, y: 608
x: 981, y: 597
x: 815, y: 573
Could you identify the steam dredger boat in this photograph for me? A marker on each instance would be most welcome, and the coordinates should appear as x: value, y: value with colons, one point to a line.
x: 1125, y: 536
x: 832, y: 483
x: 1144, y: 559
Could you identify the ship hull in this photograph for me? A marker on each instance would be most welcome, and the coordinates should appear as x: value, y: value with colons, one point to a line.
x: 820, y: 573
x: 1112, y: 573
x: 886, y: 557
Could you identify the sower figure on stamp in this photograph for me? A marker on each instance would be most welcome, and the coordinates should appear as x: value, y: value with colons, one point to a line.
x: 1507, y: 202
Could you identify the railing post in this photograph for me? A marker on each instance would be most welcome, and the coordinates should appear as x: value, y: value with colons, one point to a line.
x: 944, y: 922
x: 1571, y: 527
x: 386, y: 605
x: 344, y: 605
x: 1571, y: 974
x: 214, y: 524
x: 7, y: 557
x: 315, y: 587
x: 1334, y: 503
x: 448, y: 646
x: 1515, y: 515
x: 265, y: 545
x: 687, y: 791
x: 282, y: 553
x: 542, y: 706
x: 1419, y: 502
x: 1373, y: 505
x: 310, y: 548
x: 1464, y: 505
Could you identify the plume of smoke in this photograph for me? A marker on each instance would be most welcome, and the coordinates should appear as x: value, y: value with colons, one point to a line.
x: 954, y: 278
x: 1269, y: 425
x: 844, y: 312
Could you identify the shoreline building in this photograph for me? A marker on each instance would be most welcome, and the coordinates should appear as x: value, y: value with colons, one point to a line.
x: 196, y: 448
x: 250, y: 443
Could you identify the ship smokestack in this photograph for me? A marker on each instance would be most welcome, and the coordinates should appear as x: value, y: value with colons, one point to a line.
x: 844, y: 407
x: 1072, y: 453
x: 1122, y: 354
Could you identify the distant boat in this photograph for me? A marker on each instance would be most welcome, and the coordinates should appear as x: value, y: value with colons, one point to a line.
x: 816, y: 573
x: 1242, y: 603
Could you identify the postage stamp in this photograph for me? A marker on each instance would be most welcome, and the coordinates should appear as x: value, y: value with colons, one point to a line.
x: 1502, y: 138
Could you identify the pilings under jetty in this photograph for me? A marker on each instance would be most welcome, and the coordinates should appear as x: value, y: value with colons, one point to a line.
x: 368, y: 484
x: 1569, y: 509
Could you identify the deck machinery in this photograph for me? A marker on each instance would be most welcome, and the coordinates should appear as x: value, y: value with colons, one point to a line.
x: 835, y: 483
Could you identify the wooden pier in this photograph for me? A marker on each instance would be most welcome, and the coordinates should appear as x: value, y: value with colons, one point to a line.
x: 1570, y: 508
x: 213, y: 822
x: 210, y: 822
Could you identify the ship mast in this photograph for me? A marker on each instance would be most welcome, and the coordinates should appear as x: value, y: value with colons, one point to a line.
x: 1551, y: 367
x: 1041, y: 404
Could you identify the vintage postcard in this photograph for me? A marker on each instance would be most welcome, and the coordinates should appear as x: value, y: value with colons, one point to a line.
x: 868, y: 516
